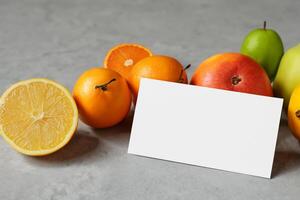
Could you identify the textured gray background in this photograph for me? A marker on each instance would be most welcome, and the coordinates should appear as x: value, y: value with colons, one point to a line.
x: 60, y: 39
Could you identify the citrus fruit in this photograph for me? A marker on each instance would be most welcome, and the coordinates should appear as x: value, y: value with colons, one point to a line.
x: 103, y: 97
x: 294, y: 112
x: 156, y: 67
x: 122, y: 57
x: 37, y: 116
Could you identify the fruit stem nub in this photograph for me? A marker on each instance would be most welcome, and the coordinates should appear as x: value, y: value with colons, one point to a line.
x: 265, y: 25
x: 188, y: 66
x: 180, y: 80
x: 103, y: 87
x: 298, y: 114
x: 235, y: 80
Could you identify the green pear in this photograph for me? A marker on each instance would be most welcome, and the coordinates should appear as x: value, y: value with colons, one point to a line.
x: 264, y: 46
x: 288, y: 75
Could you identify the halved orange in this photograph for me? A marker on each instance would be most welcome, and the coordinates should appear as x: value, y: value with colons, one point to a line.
x: 37, y: 116
x: 122, y: 57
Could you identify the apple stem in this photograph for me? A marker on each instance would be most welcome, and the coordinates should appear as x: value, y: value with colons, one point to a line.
x: 298, y: 114
x: 265, y: 25
x: 180, y: 80
x: 103, y: 87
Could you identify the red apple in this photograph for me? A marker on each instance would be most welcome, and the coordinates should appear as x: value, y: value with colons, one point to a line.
x: 235, y: 72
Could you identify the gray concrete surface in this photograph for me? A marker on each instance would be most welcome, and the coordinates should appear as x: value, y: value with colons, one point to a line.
x: 60, y: 39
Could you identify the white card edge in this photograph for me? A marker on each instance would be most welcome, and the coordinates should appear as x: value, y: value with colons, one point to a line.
x: 240, y: 93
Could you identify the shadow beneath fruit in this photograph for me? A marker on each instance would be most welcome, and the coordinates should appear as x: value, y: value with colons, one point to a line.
x: 287, y: 155
x: 285, y: 162
x: 118, y: 134
x: 283, y: 132
x: 80, y: 145
x: 88, y: 144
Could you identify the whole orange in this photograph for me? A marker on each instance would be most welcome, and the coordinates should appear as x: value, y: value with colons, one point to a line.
x: 103, y: 97
x: 156, y: 67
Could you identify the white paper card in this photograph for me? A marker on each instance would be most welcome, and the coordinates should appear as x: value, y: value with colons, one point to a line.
x: 207, y: 127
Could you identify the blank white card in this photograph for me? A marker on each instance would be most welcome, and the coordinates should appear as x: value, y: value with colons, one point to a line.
x: 207, y: 127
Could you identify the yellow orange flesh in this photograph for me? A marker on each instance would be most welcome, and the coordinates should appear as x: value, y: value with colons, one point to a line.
x: 122, y: 57
x: 37, y: 116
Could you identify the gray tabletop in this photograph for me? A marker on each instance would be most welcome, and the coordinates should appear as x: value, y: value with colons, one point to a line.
x: 61, y: 39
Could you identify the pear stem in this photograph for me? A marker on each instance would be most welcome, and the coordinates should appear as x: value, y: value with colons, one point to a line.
x: 265, y: 25
x: 103, y: 87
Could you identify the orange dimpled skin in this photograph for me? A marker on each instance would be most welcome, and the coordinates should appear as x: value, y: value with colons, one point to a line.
x: 156, y: 67
x: 103, y: 97
x: 294, y: 112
